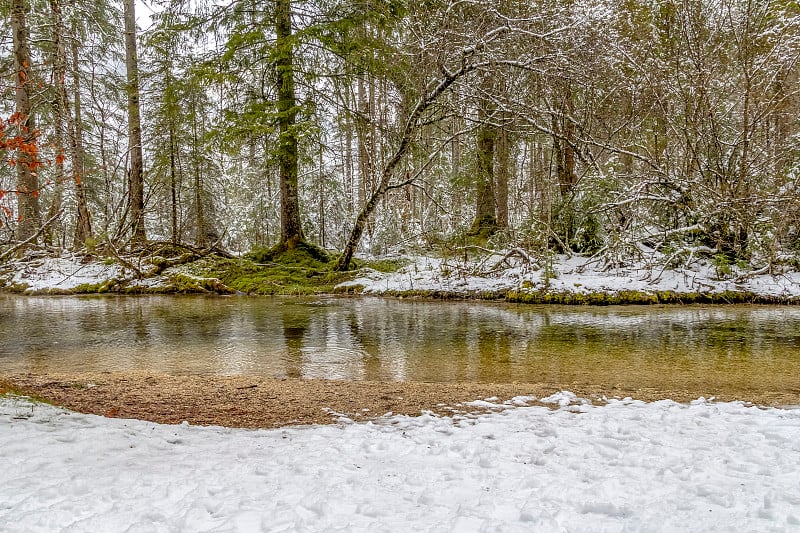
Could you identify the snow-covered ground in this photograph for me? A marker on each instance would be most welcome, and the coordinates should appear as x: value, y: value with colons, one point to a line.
x: 495, y: 273
x: 61, y: 273
x: 578, y: 275
x: 621, y: 466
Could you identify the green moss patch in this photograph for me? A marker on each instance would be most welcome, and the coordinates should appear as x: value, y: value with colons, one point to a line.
x: 302, y: 254
x: 643, y: 298
x: 298, y: 277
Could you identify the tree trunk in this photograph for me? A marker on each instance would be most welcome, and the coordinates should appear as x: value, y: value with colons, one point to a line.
x: 485, y: 210
x: 27, y: 180
x: 502, y: 176
x: 173, y: 185
x: 59, y: 107
x: 455, y: 170
x: 200, y: 214
x: 136, y: 171
x: 83, y: 222
x: 565, y: 157
x: 291, y: 228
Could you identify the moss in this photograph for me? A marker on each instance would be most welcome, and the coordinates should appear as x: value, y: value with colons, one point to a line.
x: 17, y: 287
x: 386, y: 266
x: 7, y: 388
x: 349, y: 289
x: 184, y: 283
x: 642, y: 298
x: 300, y: 254
x: 96, y: 288
x: 299, y: 276
x: 483, y: 227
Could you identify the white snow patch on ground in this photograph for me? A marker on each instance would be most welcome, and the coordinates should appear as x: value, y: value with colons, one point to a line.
x: 63, y: 273
x: 564, y: 275
x: 491, y: 274
x: 624, y: 466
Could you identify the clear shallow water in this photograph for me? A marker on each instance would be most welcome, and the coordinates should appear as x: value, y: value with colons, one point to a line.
x: 722, y: 348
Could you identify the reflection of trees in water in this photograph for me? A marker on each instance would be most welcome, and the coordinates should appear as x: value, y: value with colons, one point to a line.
x: 433, y: 341
x: 368, y: 342
x: 389, y: 339
x: 295, y: 325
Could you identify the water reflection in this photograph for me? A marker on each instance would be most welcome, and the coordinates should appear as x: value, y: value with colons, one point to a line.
x: 375, y: 339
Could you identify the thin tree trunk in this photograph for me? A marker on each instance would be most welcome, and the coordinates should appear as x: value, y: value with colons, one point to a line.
x: 455, y: 171
x: 502, y: 176
x: 348, y: 161
x: 321, y: 200
x: 27, y: 180
x: 173, y: 187
x: 83, y: 222
x: 291, y: 227
x: 136, y: 171
x: 59, y: 105
x: 200, y: 220
x: 364, y: 160
x: 565, y: 156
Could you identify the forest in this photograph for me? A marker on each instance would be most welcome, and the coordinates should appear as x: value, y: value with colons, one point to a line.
x: 626, y: 130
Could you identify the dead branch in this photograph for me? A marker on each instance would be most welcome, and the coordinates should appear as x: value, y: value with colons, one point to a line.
x: 30, y: 239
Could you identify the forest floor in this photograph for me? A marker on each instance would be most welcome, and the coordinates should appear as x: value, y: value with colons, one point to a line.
x: 512, y: 275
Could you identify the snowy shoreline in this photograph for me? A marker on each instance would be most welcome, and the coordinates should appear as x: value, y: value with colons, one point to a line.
x: 564, y: 280
x: 574, y: 280
x: 623, y: 466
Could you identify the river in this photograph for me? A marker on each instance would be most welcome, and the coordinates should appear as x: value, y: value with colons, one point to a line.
x: 719, y: 348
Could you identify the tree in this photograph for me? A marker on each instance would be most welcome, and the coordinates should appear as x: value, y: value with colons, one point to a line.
x: 291, y: 227
x: 463, y: 47
x: 136, y: 167
x: 26, y: 161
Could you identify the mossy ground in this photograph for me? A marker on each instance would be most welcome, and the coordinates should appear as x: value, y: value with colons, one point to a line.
x: 643, y: 298
x: 302, y: 270
x: 7, y: 388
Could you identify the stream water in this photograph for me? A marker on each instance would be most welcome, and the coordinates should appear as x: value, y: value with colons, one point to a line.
x: 719, y: 347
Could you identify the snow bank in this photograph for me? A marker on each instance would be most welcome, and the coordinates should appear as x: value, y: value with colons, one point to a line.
x: 62, y: 273
x: 492, y: 275
x: 624, y: 466
x: 570, y: 275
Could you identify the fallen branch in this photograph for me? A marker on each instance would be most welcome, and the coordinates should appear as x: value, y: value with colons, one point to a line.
x: 757, y: 272
x: 519, y: 252
x: 127, y: 264
x: 30, y: 239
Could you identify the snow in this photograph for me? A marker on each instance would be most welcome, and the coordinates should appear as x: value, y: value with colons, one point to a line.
x: 575, y: 274
x: 63, y: 273
x: 621, y: 466
x: 494, y: 274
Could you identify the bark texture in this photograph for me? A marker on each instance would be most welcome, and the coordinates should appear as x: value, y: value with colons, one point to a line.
x: 291, y: 227
x: 136, y: 168
x: 27, y: 181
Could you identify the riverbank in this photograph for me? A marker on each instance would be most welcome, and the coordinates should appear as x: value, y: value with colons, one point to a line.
x: 253, y: 402
x: 512, y: 276
x: 571, y: 466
